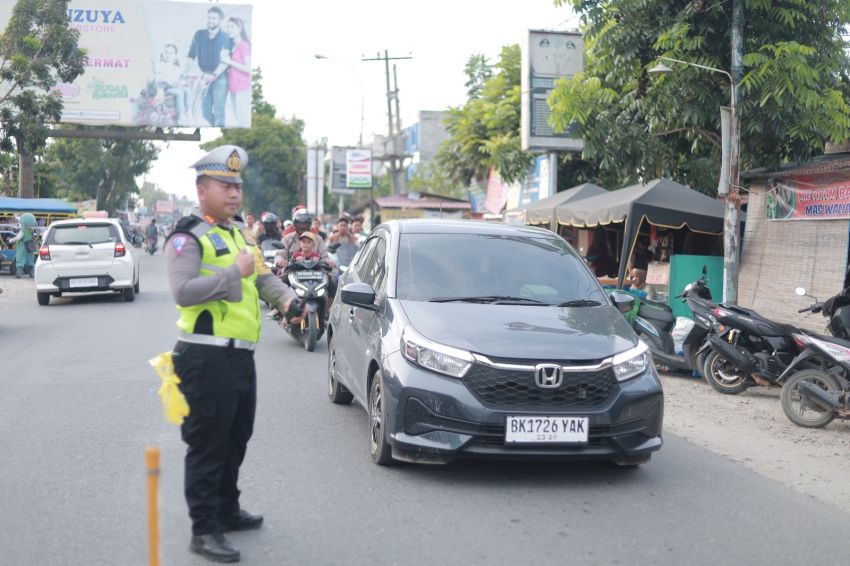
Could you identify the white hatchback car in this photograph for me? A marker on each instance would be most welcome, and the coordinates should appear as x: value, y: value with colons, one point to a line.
x: 85, y: 256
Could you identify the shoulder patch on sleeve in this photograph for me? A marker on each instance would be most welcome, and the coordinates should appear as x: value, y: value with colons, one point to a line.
x: 177, y: 242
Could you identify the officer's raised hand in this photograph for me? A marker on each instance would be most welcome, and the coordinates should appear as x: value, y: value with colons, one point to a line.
x: 293, y: 310
x: 245, y: 263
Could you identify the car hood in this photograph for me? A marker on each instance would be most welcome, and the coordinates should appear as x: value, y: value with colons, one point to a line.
x: 525, y: 332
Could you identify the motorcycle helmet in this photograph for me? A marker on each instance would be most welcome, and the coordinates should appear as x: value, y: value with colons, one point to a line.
x: 268, y: 218
x: 302, y: 220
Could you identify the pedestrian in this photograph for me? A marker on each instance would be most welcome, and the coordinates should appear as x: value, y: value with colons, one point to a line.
x: 25, y: 247
x: 217, y: 277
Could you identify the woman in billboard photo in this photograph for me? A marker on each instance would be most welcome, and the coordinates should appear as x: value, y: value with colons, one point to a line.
x: 238, y: 61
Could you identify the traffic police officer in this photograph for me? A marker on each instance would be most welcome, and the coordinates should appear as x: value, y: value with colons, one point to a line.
x: 217, y: 276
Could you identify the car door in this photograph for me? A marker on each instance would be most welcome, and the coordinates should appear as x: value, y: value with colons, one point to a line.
x: 365, y: 321
x: 346, y: 354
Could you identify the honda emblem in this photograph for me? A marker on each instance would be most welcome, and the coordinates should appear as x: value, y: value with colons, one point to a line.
x: 548, y: 376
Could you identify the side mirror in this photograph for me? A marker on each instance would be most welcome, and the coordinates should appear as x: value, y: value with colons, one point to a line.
x: 800, y: 291
x: 359, y: 295
x: 623, y: 301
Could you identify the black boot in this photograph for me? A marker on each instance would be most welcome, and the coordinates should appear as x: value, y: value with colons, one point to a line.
x: 241, y: 521
x: 214, y: 547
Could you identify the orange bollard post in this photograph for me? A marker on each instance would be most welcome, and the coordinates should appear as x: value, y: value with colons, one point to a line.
x: 152, y: 465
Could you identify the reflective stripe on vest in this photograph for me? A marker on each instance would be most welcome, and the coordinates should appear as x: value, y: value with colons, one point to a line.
x: 237, y: 320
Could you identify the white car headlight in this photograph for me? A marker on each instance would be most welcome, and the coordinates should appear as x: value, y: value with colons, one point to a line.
x: 435, y: 357
x: 631, y: 363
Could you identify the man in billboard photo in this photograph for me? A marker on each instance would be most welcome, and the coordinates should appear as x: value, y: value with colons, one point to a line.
x: 238, y: 61
x: 206, y: 48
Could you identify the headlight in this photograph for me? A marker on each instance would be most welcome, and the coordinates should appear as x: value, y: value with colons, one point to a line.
x: 300, y: 292
x: 296, y: 284
x: 435, y: 357
x: 631, y: 363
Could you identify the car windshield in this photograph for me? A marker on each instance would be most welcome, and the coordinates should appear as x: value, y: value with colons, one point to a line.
x: 82, y: 234
x: 519, y: 269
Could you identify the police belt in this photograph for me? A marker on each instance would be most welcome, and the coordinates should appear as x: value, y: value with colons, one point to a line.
x: 221, y: 341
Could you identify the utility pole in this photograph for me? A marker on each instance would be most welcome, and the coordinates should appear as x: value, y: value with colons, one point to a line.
x: 395, y: 157
x: 731, y: 224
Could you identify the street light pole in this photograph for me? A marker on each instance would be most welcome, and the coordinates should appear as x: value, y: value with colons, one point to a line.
x: 730, y: 193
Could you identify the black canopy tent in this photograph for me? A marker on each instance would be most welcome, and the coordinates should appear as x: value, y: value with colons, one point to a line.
x: 663, y: 203
x: 542, y: 212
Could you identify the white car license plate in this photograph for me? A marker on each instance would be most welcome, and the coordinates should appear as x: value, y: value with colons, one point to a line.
x: 546, y: 429
x: 83, y: 282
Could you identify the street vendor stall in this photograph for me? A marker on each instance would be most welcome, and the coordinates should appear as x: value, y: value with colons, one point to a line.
x: 542, y: 212
x: 656, y: 220
x: 44, y: 211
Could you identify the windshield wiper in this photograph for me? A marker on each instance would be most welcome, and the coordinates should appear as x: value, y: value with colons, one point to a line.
x: 485, y: 299
x: 580, y: 303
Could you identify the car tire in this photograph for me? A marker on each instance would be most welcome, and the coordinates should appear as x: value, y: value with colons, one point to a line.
x: 43, y: 298
x: 379, y: 448
x: 137, y: 286
x: 129, y: 294
x: 337, y: 392
x: 632, y: 462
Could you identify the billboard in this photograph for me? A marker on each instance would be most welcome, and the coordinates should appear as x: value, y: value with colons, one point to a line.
x: 159, y: 63
x: 358, y: 168
x: 546, y: 57
x: 809, y: 198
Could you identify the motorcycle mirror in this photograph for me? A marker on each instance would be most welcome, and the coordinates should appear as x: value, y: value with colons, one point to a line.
x: 800, y: 291
x: 704, y: 270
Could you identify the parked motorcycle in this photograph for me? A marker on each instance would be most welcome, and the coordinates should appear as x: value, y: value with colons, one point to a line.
x: 309, y: 279
x: 655, y: 321
x: 813, y: 395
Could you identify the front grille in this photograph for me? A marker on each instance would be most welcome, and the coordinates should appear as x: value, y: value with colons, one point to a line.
x: 516, y: 388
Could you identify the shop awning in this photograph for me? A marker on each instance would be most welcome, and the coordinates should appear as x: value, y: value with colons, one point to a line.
x: 662, y: 202
x: 36, y: 205
x: 543, y: 211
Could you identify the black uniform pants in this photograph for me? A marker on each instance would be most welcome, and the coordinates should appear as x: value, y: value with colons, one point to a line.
x: 220, y: 385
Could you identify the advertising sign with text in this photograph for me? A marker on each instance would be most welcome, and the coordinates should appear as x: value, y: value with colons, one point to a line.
x: 358, y: 168
x: 802, y: 199
x: 159, y: 63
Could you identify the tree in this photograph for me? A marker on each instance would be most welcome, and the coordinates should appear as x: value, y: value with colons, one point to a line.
x: 37, y: 50
x: 485, y: 132
x: 793, y: 94
x: 105, y: 170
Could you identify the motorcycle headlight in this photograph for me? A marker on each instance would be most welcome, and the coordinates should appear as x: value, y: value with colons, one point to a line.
x: 320, y: 291
x: 440, y: 358
x: 631, y: 363
x: 296, y: 284
x: 300, y: 291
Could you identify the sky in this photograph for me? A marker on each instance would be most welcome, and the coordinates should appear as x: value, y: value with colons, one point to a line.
x: 440, y: 35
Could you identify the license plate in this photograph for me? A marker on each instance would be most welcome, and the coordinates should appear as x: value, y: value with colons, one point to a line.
x: 309, y: 274
x: 83, y: 282
x: 546, y: 429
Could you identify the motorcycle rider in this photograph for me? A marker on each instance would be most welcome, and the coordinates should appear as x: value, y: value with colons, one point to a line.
x: 302, y: 220
x: 270, y: 228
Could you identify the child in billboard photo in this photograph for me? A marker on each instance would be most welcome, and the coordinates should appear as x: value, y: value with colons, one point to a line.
x: 238, y: 61
x: 167, y: 74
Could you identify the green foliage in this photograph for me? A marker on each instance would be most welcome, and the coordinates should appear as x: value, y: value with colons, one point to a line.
x: 432, y: 179
x: 485, y: 132
x: 37, y: 50
x: 259, y: 104
x: 793, y: 93
x: 276, y: 162
x: 103, y: 169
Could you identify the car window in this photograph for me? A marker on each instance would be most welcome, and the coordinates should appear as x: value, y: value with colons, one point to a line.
x: 543, y: 268
x: 364, y: 258
x: 83, y: 234
x: 373, y: 270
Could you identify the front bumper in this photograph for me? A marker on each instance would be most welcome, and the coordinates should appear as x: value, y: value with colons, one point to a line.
x: 436, y: 419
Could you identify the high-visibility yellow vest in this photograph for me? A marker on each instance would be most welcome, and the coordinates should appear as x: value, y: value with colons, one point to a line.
x: 237, y: 320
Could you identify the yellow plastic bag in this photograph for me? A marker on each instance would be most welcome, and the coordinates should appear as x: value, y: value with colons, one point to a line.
x: 173, y: 401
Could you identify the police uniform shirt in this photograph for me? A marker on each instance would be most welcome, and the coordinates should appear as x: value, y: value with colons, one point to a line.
x: 183, y: 261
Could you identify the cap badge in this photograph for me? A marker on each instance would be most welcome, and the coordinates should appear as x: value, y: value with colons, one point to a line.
x: 233, y: 162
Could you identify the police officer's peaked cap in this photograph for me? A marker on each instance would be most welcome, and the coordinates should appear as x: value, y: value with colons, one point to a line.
x: 224, y: 163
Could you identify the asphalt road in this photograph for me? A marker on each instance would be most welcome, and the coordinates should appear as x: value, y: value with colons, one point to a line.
x: 78, y: 405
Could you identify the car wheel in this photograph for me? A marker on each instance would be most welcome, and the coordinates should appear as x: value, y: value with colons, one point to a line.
x: 129, y: 294
x: 337, y: 392
x: 379, y: 448
x: 136, y: 286
x: 43, y: 298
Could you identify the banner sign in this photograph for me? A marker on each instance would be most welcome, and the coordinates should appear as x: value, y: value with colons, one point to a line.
x: 339, y: 184
x: 159, y: 63
x: 358, y: 168
x: 807, y: 199
x: 547, y: 56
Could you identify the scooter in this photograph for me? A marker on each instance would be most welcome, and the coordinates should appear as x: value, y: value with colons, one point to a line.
x: 655, y: 321
x: 310, y: 280
x: 816, y: 384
